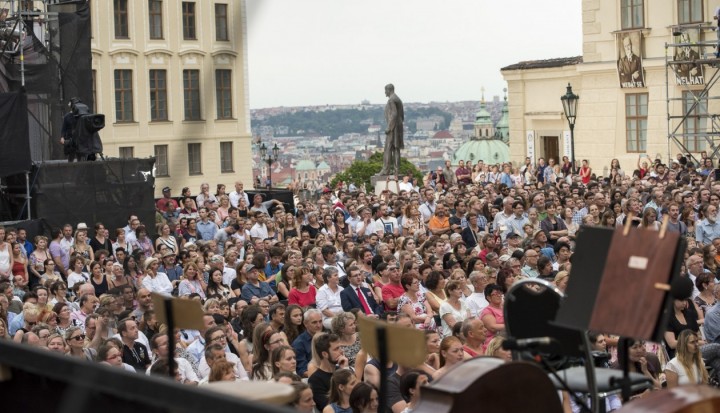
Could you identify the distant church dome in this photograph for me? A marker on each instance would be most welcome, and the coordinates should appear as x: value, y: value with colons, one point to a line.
x: 305, y: 165
x: 491, y: 151
x: 486, y: 145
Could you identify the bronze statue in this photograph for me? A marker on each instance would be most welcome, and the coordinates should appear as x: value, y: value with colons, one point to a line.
x: 394, y: 117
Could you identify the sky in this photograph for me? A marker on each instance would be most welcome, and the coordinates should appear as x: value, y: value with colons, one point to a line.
x: 318, y: 52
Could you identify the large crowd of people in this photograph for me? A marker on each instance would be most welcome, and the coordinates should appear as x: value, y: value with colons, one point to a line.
x: 282, y: 288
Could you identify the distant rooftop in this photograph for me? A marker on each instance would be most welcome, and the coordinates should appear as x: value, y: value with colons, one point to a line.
x: 541, y: 64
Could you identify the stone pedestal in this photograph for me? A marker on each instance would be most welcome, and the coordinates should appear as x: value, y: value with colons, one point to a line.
x: 383, y: 182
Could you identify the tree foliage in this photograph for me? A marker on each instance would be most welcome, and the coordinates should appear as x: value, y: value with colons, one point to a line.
x: 361, y: 171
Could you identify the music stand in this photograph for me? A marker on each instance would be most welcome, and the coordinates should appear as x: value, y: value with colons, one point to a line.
x: 622, y: 283
x: 176, y: 312
x: 391, y: 342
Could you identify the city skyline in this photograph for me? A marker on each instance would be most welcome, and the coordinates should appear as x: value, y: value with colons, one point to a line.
x: 324, y: 52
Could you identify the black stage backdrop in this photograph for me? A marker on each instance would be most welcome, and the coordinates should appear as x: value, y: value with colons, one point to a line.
x: 14, y: 143
x: 102, y: 191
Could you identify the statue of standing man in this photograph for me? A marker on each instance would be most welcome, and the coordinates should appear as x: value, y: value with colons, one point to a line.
x: 394, y: 117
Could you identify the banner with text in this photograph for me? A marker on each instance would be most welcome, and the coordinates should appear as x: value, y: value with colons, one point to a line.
x: 567, y: 144
x: 687, y: 71
x: 629, y: 63
x: 530, y: 136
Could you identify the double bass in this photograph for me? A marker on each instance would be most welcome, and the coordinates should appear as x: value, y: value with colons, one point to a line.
x: 490, y: 385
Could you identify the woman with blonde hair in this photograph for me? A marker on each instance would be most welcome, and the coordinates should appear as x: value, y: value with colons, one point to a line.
x: 193, y: 281
x: 561, y: 280
x: 687, y: 367
x: 222, y: 210
x: 495, y: 349
x: 81, y: 246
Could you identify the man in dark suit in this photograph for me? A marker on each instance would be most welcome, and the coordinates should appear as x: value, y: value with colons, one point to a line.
x: 357, y: 296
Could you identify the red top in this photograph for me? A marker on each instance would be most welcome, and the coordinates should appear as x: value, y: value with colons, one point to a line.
x: 18, y: 268
x: 390, y: 291
x: 585, y: 174
x: 302, y: 299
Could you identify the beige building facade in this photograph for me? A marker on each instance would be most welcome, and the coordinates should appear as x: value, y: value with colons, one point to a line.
x: 171, y: 78
x: 630, y: 98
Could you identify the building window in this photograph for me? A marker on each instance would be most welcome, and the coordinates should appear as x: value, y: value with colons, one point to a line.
x: 695, y: 124
x: 155, y: 14
x: 221, y: 22
x: 158, y: 95
x: 188, y: 16
x: 191, y: 87
x: 123, y: 96
x: 632, y: 14
x: 161, y: 160
x: 226, y: 157
x: 690, y: 11
x: 223, y: 93
x: 121, y: 19
x: 94, y: 91
x: 127, y: 152
x: 194, y: 156
x: 636, y: 114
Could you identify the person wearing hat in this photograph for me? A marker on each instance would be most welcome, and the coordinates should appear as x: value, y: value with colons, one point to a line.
x: 154, y: 281
x: 541, y: 239
x: 514, y: 241
x: 166, y: 202
x: 171, y: 268
x: 255, y: 289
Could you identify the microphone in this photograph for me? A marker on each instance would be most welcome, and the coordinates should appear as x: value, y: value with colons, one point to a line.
x: 526, y: 343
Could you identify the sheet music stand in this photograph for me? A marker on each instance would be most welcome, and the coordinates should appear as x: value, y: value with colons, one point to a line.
x: 621, y: 284
x: 404, y: 346
x: 176, y: 312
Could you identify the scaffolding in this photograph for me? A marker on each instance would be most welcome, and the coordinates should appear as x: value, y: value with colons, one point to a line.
x: 692, y: 69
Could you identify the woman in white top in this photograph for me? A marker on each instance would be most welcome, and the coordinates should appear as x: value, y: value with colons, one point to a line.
x: 687, y: 367
x: 76, y: 274
x: 6, y: 259
x: 453, y: 310
x: 155, y: 281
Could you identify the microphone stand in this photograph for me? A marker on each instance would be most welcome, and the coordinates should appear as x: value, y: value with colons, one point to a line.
x: 547, y: 366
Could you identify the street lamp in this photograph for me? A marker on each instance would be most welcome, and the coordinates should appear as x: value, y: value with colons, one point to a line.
x: 269, y: 159
x: 569, y: 102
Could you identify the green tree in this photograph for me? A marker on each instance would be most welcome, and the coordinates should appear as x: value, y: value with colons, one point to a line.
x: 360, y: 172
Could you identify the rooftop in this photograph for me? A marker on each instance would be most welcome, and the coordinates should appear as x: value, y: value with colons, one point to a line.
x: 542, y: 64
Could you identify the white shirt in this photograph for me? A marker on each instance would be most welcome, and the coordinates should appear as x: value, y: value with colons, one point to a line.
x: 327, y: 299
x: 74, y: 278
x: 160, y: 284
x: 229, y: 274
x: 240, y: 372
x: 427, y: 210
x: 184, y: 369
x: 476, y: 302
x: 259, y: 231
x: 405, y: 186
x: 383, y: 222
x: 235, y: 198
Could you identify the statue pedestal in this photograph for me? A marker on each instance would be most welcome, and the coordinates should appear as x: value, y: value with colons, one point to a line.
x: 383, y: 182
